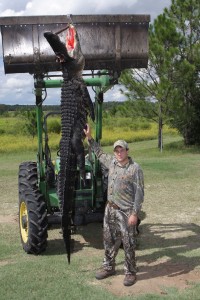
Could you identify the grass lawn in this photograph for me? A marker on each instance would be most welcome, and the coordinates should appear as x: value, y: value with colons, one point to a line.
x: 168, y: 247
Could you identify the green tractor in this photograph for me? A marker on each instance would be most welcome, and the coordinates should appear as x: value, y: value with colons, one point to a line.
x: 38, y: 200
x: 110, y: 44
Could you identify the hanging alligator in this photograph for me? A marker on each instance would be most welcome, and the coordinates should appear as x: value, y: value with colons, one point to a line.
x: 76, y: 105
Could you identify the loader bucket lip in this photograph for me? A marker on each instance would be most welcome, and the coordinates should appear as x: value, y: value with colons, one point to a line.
x: 63, y: 19
x: 112, y: 42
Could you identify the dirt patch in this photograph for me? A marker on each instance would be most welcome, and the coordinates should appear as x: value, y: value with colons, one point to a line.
x: 8, y: 219
x: 155, y: 282
x: 163, y: 261
x: 5, y: 262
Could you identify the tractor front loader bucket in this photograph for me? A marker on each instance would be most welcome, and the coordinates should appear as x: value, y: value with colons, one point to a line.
x: 112, y: 42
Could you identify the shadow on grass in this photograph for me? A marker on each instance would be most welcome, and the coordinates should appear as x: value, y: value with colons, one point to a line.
x: 178, y: 146
x: 170, y: 250
x: 91, y: 236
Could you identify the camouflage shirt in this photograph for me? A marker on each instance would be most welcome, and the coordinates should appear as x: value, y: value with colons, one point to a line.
x: 125, y: 183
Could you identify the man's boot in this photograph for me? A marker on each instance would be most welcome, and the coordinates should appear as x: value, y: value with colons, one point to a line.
x: 103, y: 273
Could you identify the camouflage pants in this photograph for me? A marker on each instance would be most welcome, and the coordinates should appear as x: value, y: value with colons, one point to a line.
x: 115, y: 231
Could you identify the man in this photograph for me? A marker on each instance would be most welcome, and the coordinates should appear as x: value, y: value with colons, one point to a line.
x: 125, y: 197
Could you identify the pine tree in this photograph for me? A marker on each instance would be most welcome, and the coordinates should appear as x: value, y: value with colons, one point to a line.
x: 172, y: 76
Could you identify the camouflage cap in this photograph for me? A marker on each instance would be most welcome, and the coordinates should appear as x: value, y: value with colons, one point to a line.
x: 120, y: 143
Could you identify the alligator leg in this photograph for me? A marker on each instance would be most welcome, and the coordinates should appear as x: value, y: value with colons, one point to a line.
x: 77, y: 146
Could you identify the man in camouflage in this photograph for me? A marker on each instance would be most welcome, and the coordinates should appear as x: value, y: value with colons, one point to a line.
x: 125, y: 197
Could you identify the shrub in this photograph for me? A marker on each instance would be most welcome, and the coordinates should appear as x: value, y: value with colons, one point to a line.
x: 2, y: 131
x: 54, y: 126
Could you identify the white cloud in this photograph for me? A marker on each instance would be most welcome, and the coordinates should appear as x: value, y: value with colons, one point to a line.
x: 10, y: 12
x: 106, y: 5
x: 29, y: 5
x: 14, y: 88
x: 114, y: 94
x: 18, y: 82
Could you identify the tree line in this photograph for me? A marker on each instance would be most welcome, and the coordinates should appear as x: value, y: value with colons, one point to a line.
x: 18, y: 108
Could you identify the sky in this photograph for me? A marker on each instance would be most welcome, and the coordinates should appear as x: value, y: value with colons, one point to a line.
x: 19, y: 88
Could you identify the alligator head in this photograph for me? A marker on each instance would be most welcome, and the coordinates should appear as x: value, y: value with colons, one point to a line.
x: 67, y: 49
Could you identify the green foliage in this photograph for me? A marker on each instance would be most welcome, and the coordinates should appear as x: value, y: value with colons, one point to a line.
x: 185, y: 77
x: 11, y: 125
x: 130, y: 123
x: 17, y: 108
x: 131, y: 129
x: 2, y: 131
x: 54, y: 126
x: 30, y: 122
x: 172, y: 76
x: 3, y: 110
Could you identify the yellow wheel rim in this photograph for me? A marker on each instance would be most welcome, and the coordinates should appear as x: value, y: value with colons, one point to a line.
x: 23, y: 217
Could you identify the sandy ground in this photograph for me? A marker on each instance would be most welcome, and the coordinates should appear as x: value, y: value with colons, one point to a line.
x: 156, y: 281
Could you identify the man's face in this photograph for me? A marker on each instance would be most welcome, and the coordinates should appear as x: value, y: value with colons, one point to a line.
x: 121, y: 154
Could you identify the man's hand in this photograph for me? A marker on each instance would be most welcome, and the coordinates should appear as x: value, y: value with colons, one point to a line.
x: 132, y: 220
x: 87, y: 132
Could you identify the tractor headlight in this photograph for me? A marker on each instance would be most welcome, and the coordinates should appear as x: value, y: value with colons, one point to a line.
x: 88, y: 175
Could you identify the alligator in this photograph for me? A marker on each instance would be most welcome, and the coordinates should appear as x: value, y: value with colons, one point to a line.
x: 76, y: 106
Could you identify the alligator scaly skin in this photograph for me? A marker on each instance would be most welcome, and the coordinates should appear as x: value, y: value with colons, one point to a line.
x: 76, y: 105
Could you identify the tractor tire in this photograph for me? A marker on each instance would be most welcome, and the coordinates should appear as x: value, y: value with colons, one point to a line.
x: 33, y: 222
x: 28, y: 174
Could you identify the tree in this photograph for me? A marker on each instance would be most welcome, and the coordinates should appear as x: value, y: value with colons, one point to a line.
x: 185, y: 78
x: 151, y: 88
x: 171, y: 79
x: 30, y: 122
x: 3, y: 109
